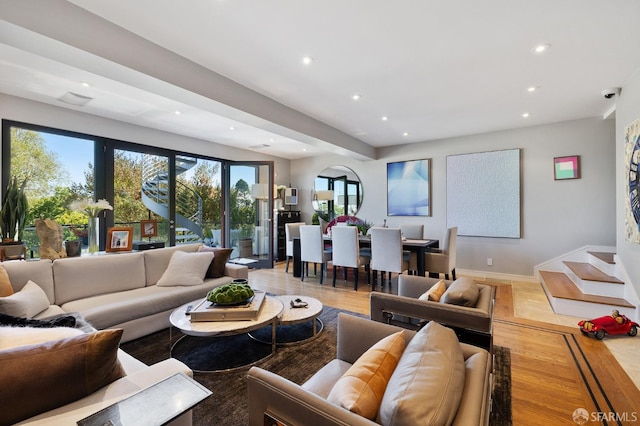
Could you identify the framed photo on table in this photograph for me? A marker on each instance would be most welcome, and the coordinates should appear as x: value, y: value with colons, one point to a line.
x: 119, y: 239
x: 148, y: 228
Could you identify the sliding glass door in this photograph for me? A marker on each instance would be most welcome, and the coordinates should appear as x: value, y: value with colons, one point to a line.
x: 250, y: 231
x: 141, y: 192
x: 180, y: 195
x: 164, y: 195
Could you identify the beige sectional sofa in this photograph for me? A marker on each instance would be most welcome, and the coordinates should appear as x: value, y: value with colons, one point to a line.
x: 436, y: 380
x: 110, y: 291
x: 115, y: 290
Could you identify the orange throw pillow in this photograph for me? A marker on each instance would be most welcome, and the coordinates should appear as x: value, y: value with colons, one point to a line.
x: 435, y: 292
x: 6, y: 289
x: 361, y: 388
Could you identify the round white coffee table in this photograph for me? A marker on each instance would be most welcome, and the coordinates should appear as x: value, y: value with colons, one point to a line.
x: 293, y: 316
x: 271, y: 309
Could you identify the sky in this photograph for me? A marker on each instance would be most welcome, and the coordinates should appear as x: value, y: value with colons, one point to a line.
x: 75, y: 154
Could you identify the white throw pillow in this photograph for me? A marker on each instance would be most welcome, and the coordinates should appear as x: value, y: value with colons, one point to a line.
x: 12, y: 337
x: 186, y: 269
x: 26, y: 303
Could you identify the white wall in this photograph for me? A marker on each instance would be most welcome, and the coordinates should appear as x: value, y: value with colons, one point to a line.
x: 557, y: 216
x: 627, y: 110
x: 19, y: 109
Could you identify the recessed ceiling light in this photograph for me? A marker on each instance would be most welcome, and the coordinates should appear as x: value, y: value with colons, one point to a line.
x: 304, y: 149
x: 355, y: 97
x: 232, y: 128
x: 307, y: 60
x: 85, y: 84
x: 177, y: 112
x: 272, y: 140
x: 525, y: 115
x: 532, y: 88
x: 384, y: 118
x: 541, y: 48
x: 405, y: 134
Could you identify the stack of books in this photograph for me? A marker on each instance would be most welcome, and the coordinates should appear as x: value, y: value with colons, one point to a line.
x: 247, y: 311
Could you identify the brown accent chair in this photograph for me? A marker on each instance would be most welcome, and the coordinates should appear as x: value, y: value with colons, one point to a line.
x: 473, y: 323
x: 412, y: 386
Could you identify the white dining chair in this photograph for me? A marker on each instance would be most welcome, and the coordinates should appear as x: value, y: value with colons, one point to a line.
x: 444, y: 260
x: 312, y: 250
x: 387, y: 254
x: 346, y: 252
x: 324, y: 224
x: 291, y: 231
x: 413, y: 231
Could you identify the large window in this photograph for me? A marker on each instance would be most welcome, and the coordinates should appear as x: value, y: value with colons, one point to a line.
x: 58, y: 170
x: 181, y: 192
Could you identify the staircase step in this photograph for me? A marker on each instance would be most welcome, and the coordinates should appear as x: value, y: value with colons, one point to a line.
x: 604, y: 256
x: 586, y: 271
x: 560, y: 286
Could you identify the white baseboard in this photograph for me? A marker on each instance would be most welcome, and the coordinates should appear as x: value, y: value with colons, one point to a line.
x: 496, y: 275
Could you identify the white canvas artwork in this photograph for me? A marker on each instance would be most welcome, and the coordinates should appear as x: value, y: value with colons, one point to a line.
x: 483, y: 193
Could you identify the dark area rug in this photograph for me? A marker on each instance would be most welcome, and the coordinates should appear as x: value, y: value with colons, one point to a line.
x: 228, y: 404
x: 501, y: 395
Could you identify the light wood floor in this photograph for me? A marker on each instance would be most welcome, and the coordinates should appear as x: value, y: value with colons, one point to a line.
x: 555, y: 370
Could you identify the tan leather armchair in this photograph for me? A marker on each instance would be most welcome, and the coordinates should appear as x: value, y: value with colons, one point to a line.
x: 473, y: 325
x: 307, y: 404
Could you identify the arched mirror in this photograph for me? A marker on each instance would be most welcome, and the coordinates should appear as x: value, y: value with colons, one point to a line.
x: 337, y: 191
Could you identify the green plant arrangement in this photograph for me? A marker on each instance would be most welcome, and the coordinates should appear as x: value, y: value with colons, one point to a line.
x: 230, y: 293
x: 92, y: 209
x: 363, y: 225
x: 13, y: 214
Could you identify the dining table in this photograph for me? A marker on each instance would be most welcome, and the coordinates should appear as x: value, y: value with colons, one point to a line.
x: 419, y: 246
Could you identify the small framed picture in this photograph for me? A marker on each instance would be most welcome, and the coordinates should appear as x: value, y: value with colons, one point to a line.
x: 119, y: 239
x: 148, y: 228
x: 566, y: 167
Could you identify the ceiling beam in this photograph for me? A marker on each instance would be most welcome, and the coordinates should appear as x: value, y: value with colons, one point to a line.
x: 104, y: 48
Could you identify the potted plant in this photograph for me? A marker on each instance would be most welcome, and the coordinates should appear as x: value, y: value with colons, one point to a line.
x: 13, y: 216
x: 73, y: 246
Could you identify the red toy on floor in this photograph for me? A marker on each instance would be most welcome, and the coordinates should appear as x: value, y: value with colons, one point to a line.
x: 609, y: 324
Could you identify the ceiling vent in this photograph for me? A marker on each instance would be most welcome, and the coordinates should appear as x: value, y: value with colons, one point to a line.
x: 260, y: 146
x: 74, y: 99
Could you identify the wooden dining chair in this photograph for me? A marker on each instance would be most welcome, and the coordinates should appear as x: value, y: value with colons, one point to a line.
x: 387, y: 254
x: 312, y: 250
x: 443, y: 261
x: 346, y: 252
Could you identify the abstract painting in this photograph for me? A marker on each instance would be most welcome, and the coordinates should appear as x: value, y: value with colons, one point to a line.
x: 409, y: 188
x: 566, y: 167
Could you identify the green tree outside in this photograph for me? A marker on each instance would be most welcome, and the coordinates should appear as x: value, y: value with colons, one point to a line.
x: 50, y: 191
